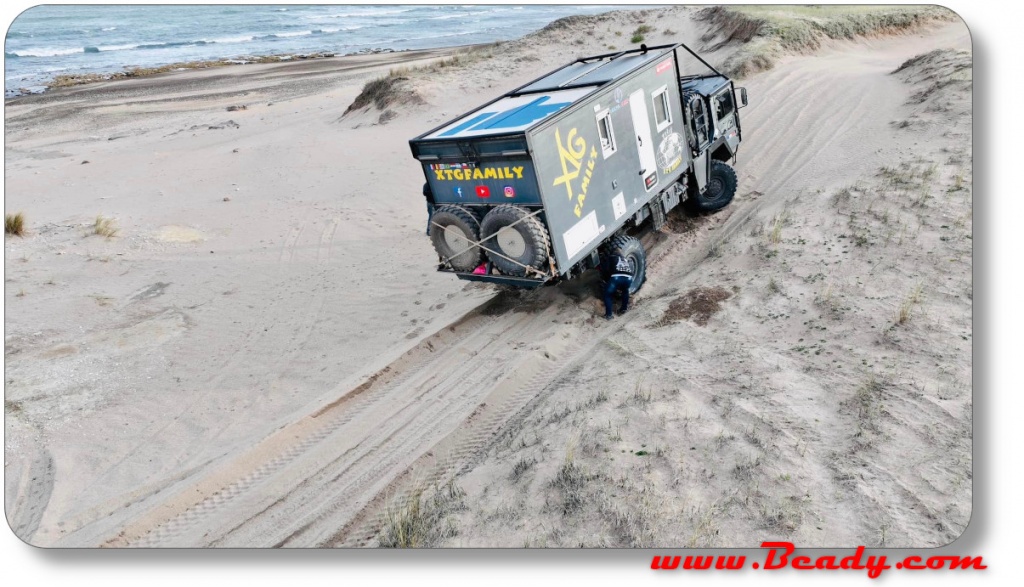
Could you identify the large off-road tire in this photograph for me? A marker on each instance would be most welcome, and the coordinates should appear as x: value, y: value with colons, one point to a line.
x: 631, y: 249
x: 453, y: 230
x: 719, y: 191
x: 526, y: 242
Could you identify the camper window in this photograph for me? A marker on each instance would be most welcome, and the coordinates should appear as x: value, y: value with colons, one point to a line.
x: 662, y: 113
x: 604, y: 129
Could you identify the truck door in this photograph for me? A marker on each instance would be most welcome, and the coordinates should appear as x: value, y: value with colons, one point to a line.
x: 644, y: 144
x: 725, y: 118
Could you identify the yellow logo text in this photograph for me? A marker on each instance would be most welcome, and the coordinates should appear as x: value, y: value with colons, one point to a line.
x: 478, y: 173
x: 571, y: 155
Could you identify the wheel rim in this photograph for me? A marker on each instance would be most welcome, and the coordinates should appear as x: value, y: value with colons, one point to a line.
x: 455, y: 239
x: 715, y: 188
x: 511, y: 243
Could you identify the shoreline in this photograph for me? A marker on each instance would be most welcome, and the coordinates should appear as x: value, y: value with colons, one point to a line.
x: 228, y: 66
x: 76, y: 80
x: 130, y: 71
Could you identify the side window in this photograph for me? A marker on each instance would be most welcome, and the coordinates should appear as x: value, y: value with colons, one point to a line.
x: 723, y: 105
x: 662, y: 113
x: 604, y: 129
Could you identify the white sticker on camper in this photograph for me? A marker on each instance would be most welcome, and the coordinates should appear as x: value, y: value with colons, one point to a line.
x: 582, y: 234
x: 619, y: 205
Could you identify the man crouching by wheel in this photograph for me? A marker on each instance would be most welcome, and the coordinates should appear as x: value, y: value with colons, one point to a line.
x: 617, y: 272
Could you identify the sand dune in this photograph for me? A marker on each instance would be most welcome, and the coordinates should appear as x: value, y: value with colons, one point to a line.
x: 262, y: 354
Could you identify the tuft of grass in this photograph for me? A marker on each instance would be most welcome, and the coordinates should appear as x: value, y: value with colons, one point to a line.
x: 421, y: 522
x: 906, y: 307
x: 775, y: 234
x: 781, y: 517
x: 520, y: 468
x: 14, y: 224
x: 570, y: 482
x: 106, y: 227
x: 641, y: 397
x: 638, y: 34
x: 381, y: 92
x: 391, y: 89
x: 867, y: 400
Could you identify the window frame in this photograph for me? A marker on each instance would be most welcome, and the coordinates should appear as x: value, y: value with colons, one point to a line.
x: 662, y: 93
x: 612, y: 148
x: 732, y: 104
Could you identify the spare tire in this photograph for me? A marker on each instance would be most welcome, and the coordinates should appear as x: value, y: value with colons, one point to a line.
x: 632, y: 250
x: 453, y: 232
x: 511, y: 231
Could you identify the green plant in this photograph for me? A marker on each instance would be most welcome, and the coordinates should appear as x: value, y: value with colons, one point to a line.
x: 14, y: 224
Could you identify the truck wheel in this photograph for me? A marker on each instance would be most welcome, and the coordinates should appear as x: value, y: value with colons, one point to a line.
x: 526, y: 242
x: 453, y: 230
x: 720, y: 189
x: 630, y: 248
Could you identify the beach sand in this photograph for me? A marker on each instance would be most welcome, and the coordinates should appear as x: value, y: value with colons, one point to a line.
x: 263, y: 355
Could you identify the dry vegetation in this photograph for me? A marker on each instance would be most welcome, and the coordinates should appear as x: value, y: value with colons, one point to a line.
x: 423, y: 519
x: 770, y: 32
x: 394, y: 88
x: 106, y: 227
x: 14, y: 224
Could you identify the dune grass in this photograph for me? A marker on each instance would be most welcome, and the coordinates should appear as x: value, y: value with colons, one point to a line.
x: 14, y: 224
x: 769, y: 32
x: 422, y: 521
x: 105, y: 227
x: 385, y: 91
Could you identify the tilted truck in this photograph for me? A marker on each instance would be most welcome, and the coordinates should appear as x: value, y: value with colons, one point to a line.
x: 533, y: 186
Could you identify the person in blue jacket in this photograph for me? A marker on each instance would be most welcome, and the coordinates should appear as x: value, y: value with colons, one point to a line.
x: 617, y: 272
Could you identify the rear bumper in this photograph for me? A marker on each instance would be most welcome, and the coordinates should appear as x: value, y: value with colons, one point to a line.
x: 523, y: 282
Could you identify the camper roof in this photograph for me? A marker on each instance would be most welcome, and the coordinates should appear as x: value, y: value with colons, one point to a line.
x: 528, y: 105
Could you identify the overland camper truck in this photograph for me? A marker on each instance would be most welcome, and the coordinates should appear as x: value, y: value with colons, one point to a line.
x: 531, y: 187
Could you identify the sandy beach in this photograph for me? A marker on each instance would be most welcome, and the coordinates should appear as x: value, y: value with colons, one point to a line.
x: 259, y: 352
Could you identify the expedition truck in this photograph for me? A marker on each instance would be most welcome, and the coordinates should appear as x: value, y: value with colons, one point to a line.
x: 533, y: 186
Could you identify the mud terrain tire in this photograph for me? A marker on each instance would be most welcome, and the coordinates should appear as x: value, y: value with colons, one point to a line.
x: 631, y: 249
x: 526, y: 242
x: 452, y: 230
x: 719, y: 191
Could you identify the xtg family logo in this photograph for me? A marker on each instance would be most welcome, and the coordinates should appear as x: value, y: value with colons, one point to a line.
x: 780, y: 556
x: 570, y: 154
x: 468, y: 172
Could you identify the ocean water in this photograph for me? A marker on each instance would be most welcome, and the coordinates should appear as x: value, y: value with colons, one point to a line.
x: 46, y: 41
